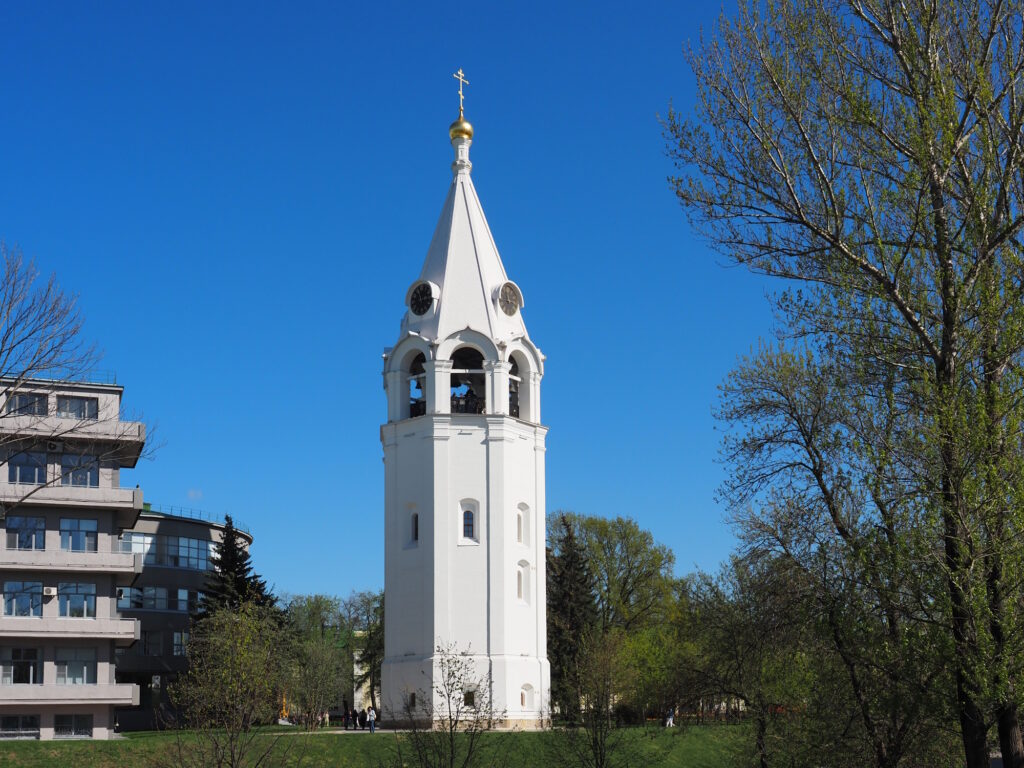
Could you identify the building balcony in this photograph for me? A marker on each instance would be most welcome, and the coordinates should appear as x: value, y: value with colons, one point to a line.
x: 124, y: 438
x: 126, y: 502
x: 124, y: 565
x: 117, y: 694
x: 121, y: 631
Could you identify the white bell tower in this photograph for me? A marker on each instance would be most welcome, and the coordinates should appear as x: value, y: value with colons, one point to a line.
x: 464, y: 472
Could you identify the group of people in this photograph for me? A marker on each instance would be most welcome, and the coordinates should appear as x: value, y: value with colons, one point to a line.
x: 359, y: 720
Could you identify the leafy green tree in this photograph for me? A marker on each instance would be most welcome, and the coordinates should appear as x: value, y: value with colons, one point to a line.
x: 232, y: 690
x: 633, y: 573
x: 868, y: 152
x: 233, y: 581
x: 597, y: 742
x: 320, y: 673
x: 571, y: 614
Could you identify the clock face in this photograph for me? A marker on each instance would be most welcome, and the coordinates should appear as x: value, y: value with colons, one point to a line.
x: 421, y: 299
x: 508, y: 299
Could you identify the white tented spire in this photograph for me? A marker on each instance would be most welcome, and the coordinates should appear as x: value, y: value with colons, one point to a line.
x: 462, y: 263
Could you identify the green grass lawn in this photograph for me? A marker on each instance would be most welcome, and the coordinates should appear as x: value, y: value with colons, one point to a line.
x: 717, y: 746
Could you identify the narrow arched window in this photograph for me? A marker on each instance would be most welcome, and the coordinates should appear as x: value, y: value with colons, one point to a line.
x: 523, y: 581
x: 467, y: 524
x: 415, y: 526
x: 523, y: 524
x: 522, y: 699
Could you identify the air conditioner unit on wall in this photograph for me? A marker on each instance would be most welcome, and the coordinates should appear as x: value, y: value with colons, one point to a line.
x: 49, y: 591
x: 54, y: 446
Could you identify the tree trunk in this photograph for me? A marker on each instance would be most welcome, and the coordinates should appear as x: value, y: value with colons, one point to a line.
x: 1011, y: 744
x: 762, y: 732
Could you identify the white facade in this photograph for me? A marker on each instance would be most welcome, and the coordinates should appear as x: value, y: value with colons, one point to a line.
x: 464, y: 473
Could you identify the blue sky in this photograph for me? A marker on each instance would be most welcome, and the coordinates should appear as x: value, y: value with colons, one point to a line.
x: 240, y: 194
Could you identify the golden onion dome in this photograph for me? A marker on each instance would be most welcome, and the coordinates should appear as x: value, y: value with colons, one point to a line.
x: 461, y: 128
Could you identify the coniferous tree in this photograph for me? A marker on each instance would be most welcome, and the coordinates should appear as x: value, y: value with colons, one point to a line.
x: 233, y: 581
x: 572, y: 615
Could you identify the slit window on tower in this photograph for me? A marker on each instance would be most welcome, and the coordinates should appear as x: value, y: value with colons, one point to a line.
x: 468, y: 531
x: 415, y: 526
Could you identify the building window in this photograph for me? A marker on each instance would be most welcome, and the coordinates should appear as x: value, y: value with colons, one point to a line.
x: 180, y: 643
x: 26, y: 532
x: 23, y: 598
x: 71, y: 407
x: 415, y: 526
x: 19, y: 727
x: 77, y: 535
x: 79, y: 470
x: 27, y: 468
x: 187, y: 601
x: 523, y: 524
x: 142, y: 598
x: 412, y: 701
x: 140, y: 543
x: 152, y: 643
x: 27, y: 404
x: 467, y: 524
x: 72, y: 726
x: 76, y: 666
x: 77, y: 600
x: 523, y: 581
x: 20, y: 666
x: 526, y: 696
x: 469, y: 698
x: 183, y: 552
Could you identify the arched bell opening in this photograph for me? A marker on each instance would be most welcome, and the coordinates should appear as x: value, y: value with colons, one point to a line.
x: 468, y: 384
x: 520, y: 402
x: 416, y: 384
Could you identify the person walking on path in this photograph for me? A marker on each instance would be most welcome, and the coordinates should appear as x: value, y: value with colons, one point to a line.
x: 371, y: 716
x: 362, y: 720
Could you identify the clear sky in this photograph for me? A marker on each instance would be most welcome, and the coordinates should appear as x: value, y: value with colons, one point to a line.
x: 241, y: 193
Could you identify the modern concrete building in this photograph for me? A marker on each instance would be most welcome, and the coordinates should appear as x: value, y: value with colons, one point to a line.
x: 176, y: 547
x: 61, y: 558
x: 464, y: 474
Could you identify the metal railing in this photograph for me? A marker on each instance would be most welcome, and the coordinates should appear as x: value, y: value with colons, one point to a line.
x: 191, y: 514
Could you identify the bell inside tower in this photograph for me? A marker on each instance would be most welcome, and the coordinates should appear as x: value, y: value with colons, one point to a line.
x: 514, y: 381
x: 468, y: 387
x: 417, y: 387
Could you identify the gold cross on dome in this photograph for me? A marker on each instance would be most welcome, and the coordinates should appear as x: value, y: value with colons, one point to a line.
x: 461, y: 77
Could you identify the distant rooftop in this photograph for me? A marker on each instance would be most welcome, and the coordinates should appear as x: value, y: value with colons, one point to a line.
x: 188, y: 513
